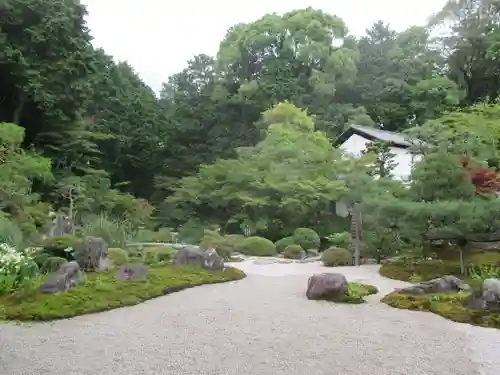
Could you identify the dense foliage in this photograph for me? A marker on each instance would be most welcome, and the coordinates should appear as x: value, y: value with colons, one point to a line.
x: 244, y: 140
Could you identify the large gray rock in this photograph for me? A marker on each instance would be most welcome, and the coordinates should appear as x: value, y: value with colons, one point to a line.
x: 93, y: 254
x: 443, y: 284
x: 487, y: 298
x: 212, y: 260
x: 191, y: 255
x: 312, y: 253
x: 329, y: 286
x: 68, y: 276
x: 132, y: 272
x: 493, y: 286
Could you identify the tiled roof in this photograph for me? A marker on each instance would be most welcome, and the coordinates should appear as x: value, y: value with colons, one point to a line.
x: 375, y: 134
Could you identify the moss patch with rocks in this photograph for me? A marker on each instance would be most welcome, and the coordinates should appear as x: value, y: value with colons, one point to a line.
x: 103, y: 292
x: 448, y: 305
x: 356, y: 293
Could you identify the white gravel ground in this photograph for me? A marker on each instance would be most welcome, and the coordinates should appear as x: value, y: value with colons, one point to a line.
x: 262, y: 325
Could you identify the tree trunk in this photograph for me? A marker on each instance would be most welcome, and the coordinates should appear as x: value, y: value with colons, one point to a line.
x: 462, y: 263
x: 70, y: 213
x: 16, y: 117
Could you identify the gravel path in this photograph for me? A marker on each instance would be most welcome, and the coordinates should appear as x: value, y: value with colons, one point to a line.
x: 261, y: 325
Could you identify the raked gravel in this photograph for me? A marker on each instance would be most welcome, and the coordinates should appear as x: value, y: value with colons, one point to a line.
x: 261, y: 325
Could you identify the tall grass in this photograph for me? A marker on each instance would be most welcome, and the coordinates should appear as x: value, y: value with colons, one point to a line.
x: 116, y: 232
x: 10, y: 233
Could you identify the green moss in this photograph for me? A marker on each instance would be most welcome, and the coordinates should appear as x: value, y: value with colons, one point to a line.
x: 103, y: 292
x: 356, y: 293
x: 448, y: 305
x: 423, y: 270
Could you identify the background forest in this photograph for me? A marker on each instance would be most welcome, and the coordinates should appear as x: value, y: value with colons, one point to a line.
x: 244, y: 140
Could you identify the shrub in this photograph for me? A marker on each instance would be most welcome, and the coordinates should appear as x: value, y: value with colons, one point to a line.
x: 103, y: 292
x: 157, y: 255
x: 282, y: 244
x: 52, y: 264
x: 336, y: 256
x: 10, y: 233
x: 229, y: 244
x: 115, y: 232
x: 17, y: 268
x: 257, y: 246
x: 118, y: 256
x: 342, y: 239
x: 191, y: 232
x: 448, y: 305
x: 292, y: 251
x: 306, y: 238
x: 61, y: 246
x: 162, y: 235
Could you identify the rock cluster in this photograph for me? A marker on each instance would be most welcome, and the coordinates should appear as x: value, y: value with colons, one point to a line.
x: 192, y: 255
x: 443, y: 284
x: 68, y: 276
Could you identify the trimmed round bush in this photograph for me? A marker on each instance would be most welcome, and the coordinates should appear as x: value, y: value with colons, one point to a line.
x: 306, y: 238
x: 257, y: 246
x: 342, y: 239
x: 61, y: 246
x: 282, y: 244
x: 118, y: 256
x: 336, y: 256
x: 292, y: 251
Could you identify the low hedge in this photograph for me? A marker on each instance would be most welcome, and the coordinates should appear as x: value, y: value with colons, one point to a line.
x: 424, y: 270
x: 447, y: 305
x: 103, y: 292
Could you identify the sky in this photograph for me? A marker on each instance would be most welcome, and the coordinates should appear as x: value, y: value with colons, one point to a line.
x: 158, y: 37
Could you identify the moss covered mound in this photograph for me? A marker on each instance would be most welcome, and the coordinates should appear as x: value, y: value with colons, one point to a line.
x: 448, y: 305
x: 103, y: 292
x: 356, y: 293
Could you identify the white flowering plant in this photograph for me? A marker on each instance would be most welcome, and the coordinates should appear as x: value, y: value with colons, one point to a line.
x: 17, y: 268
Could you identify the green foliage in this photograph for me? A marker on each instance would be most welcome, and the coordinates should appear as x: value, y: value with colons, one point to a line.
x: 118, y: 256
x: 191, y: 232
x: 335, y: 256
x: 282, y: 244
x: 342, y: 240
x: 61, y: 246
x: 306, y: 238
x: 448, y: 305
x: 291, y: 251
x: 163, y: 235
x: 257, y: 246
x: 483, y: 272
x: 424, y: 269
x: 103, y: 292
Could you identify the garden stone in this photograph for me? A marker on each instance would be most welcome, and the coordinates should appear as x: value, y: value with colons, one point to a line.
x: 93, y: 255
x: 68, y: 276
x: 301, y: 255
x: 312, y: 253
x: 443, y: 284
x: 188, y: 255
x: 492, y: 285
x: 326, y: 285
x: 191, y: 255
x: 132, y: 272
x: 213, y: 261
